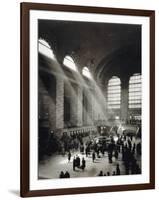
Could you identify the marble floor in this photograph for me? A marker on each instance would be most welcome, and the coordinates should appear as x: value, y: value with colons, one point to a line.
x: 51, y: 167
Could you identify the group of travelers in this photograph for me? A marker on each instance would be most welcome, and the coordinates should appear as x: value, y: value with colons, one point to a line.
x: 115, y: 173
x: 130, y: 151
x: 77, y: 163
x: 124, y: 149
x: 64, y: 175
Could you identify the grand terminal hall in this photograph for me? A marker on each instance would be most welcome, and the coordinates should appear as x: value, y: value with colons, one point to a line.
x: 89, y: 99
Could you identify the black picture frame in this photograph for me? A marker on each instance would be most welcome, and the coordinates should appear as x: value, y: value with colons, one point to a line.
x: 25, y: 92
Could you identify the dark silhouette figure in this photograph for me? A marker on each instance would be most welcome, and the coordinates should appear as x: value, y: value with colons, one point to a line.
x: 100, y: 173
x: 93, y: 156
x: 78, y: 160
x: 69, y: 156
x: 67, y: 175
x: 110, y: 156
x: 97, y: 151
x: 116, y: 154
x: 87, y: 151
x: 117, y: 170
x: 62, y: 175
x: 74, y: 164
x: 103, y: 150
x: 108, y: 173
x: 129, y: 144
x: 113, y: 173
x: 83, y: 164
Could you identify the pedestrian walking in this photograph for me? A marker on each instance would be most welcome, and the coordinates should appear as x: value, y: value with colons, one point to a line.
x: 69, y: 156
x: 93, y: 156
x: 117, y: 170
x: 83, y: 164
x: 74, y: 164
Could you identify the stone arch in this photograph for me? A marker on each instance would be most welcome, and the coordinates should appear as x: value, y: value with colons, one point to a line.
x: 125, y: 60
x: 52, y: 43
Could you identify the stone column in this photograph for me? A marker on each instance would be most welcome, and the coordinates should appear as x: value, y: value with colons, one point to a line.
x: 47, y: 102
x: 85, y: 107
x: 90, y: 107
x: 106, y: 97
x: 79, y: 105
x: 59, y: 102
x: 124, y: 98
x: 73, y: 107
x: 100, y: 100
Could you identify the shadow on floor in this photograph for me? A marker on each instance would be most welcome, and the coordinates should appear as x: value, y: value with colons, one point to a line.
x: 15, y: 192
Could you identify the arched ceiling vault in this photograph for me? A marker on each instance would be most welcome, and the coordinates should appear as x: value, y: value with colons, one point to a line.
x: 123, y: 62
x: 104, y: 48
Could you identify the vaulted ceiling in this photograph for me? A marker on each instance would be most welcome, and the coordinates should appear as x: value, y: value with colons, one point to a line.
x: 107, y: 49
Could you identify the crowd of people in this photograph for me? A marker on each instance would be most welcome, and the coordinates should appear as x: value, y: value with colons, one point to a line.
x: 117, y: 172
x: 129, y: 152
x: 125, y: 146
x: 71, y: 142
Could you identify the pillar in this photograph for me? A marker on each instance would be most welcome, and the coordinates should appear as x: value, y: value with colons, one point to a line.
x: 59, y: 102
x: 79, y: 105
x: 90, y: 107
x: 73, y: 107
x: 124, y: 98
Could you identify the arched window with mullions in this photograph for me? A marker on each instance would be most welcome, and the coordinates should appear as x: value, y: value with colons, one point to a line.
x: 86, y: 72
x: 114, y: 93
x: 135, y: 91
x: 69, y: 62
x: 45, y: 49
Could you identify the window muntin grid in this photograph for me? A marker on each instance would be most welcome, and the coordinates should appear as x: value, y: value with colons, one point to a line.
x: 114, y: 93
x: 135, y: 91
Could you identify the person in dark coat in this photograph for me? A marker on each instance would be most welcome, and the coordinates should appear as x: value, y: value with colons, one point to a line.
x: 108, y: 173
x: 61, y: 175
x: 103, y: 150
x: 113, y: 173
x: 97, y: 151
x: 67, y: 175
x: 129, y: 144
x: 87, y: 151
x: 116, y: 154
x: 110, y: 157
x: 78, y: 161
x: 83, y: 164
x: 100, y: 173
x: 93, y: 156
x: 117, y: 170
x: 69, y: 156
x: 74, y: 164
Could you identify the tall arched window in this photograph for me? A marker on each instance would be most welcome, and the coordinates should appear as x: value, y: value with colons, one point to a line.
x: 68, y: 62
x: 135, y: 91
x: 86, y: 72
x: 114, y: 93
x: 45, y: 49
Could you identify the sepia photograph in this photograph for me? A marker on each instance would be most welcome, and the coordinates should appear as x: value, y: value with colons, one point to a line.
x: 90, y: 99
x: 87, y: 99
